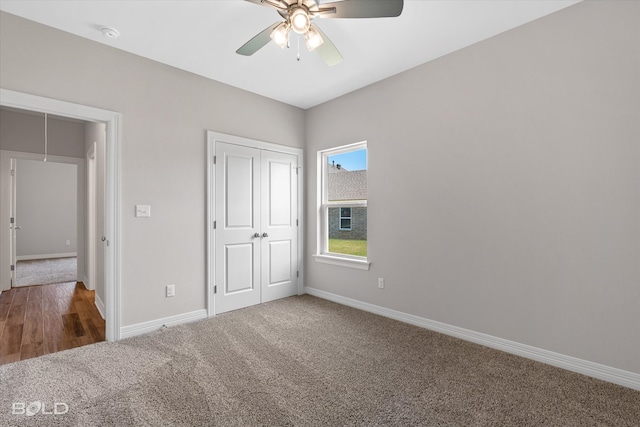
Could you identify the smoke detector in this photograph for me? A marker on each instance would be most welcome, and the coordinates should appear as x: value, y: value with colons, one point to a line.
x: 110, y: 33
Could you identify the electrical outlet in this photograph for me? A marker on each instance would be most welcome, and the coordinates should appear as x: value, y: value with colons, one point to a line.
x: 171, y: 290
x: 380, y: 282
x: 68, y: 242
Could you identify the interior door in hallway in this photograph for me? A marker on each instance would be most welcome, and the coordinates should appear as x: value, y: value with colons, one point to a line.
x: 256, y: 254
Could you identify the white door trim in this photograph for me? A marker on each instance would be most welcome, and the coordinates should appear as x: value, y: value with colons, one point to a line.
x: 91, y: 237
x: 7, y: 159
x: 212, y: 137
x: 113, y: 122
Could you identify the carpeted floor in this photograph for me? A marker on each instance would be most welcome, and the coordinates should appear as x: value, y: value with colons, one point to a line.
x: 308, y: 362
x: 46, y: 271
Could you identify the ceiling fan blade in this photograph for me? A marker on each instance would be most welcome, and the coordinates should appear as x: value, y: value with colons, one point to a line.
x: 327, y: 50
x: 362, y: 9
x: 270, y: 3
x: 257, y: 42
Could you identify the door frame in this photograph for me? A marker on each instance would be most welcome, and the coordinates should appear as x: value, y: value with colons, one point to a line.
x: 113, y: 120
x: 212, y: 137
x: 91, y: 237
x: 7, y: 160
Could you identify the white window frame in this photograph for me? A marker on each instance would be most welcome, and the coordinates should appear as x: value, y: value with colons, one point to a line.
x: 350, y: 218
x: 322, y: 253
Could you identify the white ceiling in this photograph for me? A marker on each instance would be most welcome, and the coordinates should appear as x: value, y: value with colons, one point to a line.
x: 202, y: 37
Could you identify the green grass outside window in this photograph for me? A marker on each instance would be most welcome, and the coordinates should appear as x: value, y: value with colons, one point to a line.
x: 348, y: 247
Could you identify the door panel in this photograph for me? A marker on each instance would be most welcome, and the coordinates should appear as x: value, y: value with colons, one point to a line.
x: 279, y: 262
x: 280, y: 194
x: 239, y: 171
x: 239, y: 268
x: 237, y: 258
x: 279, y: 215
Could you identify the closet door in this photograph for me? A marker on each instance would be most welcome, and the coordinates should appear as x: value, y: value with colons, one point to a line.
x: 279, y: 216
x: 237, y: 234
x: 256, y: 234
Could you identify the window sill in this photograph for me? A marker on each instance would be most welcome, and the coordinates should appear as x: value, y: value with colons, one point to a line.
x: 343, y: 262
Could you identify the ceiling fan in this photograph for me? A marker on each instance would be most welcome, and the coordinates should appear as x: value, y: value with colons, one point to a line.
x: 298, y: 15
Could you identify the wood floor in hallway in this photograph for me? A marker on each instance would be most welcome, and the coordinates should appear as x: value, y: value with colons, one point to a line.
x: 38, y: 320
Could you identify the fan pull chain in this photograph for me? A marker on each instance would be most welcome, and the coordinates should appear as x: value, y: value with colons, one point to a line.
x: 298, y: 48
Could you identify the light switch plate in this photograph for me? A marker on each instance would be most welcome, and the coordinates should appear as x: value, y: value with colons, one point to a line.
x: 143, y: 211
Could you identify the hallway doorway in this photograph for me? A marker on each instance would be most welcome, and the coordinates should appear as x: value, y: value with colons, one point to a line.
x: 48, y: 221
x: 110, y: 237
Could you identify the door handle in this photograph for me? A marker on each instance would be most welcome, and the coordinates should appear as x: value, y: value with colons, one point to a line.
x: 265, y: 235
x: 256, y: 235
x: 17, y: 227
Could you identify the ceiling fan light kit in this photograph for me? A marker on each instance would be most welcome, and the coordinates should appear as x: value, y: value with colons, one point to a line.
x: 281, y: 35
x: 298, y: 15
x: 312, y: 38
x: 299, y: 18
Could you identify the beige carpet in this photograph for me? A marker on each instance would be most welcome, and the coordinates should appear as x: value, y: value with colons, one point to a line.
x: 307, y: 362
x: 46, y: 271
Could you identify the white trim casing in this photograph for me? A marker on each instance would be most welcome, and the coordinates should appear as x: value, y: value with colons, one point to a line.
x: 322, y: 254
x: 6, y: 157
x: 113, y: 122
x: 342, y: 261
x: 570, y: 363
x: 47, y: 256
x: 153, y: 325
x: 99, y: 305
x: 212, y: 137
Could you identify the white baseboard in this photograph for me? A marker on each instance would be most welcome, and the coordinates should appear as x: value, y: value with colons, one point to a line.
x: 152, y: 325
x: 592, y: 369
x: 99, y: 305
x: 46, y: 256
x: 88, y: 284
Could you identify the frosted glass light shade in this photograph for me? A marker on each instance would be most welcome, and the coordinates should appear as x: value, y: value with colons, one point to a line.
x: 313, y: 39
x: 300, y: 21
x: 280, y: 35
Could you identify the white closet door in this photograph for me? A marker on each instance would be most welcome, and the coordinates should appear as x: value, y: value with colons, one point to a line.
x: 256, y: 235
x: 279, y: 249
x: 237, y: 235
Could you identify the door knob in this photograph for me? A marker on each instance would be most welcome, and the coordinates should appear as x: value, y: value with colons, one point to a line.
x: 265, y: 235
x: 256, y: 235
x: 17, y: 227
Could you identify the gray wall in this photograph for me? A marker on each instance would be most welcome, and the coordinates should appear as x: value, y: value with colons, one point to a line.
x: 516, y: 162
x: 25, y: 133
x: 519, y: 158
x: 46, y: 209
x: 166, y: 113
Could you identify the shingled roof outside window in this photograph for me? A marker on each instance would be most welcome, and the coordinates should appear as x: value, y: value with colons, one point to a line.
x: 346, y: 185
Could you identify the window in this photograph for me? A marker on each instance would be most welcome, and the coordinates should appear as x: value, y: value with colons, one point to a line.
x: 342, y: 206
x: 345, y: 219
